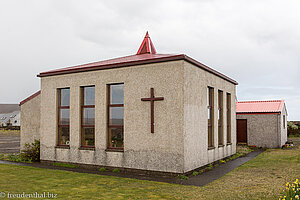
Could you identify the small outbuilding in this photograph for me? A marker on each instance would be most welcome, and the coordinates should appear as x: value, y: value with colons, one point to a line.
x: 262, y: 123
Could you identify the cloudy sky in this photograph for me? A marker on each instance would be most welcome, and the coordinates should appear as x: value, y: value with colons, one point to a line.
x: 255, y: 42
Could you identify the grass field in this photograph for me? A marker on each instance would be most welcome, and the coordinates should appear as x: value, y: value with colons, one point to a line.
x: 262, y: 178
x: 9, y: 132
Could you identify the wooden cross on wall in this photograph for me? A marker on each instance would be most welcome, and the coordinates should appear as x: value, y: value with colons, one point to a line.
x: 152, y: 99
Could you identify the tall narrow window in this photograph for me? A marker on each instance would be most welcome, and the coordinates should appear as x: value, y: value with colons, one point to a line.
x: 283, y: 121
x: 220, y: 117
x: 63, y: 116
x: 228, y: 104
x: 116, y: 116
x: 210, y: 116
x: 88, y: 116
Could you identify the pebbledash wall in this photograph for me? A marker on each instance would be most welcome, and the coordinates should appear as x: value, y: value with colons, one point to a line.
x: 196, y: 151
x: 266, y: 130
x: 179, y: 143
x: 30, y: 119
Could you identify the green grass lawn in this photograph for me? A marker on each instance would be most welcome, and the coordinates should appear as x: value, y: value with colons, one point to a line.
x: 262, y: 178
x: 9, y: 132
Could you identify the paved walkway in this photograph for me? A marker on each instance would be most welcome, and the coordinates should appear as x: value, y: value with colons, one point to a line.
x: 199, y: 180
x: 220, y: 170
x: 9, y: 143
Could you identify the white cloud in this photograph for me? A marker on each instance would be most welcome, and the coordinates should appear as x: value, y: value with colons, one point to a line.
x: 255, y: 42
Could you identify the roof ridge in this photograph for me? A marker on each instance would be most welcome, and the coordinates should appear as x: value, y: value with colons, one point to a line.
x: 260, y: 101
x: 280, y: 106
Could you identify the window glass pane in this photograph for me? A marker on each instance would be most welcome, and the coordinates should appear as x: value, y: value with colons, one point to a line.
x: 116, y: 137
x: 208, y: 96
x: 65, y: 97
x: 117, y: 94
x: 64, y: 117
x: 88, y: 116
x: 63, y: 133
x: 89, y: 95
x: 116, y: 115
x: 220, y: 95
x: 88, y: 136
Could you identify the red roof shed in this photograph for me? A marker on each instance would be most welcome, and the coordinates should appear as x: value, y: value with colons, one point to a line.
x: 256, y: 107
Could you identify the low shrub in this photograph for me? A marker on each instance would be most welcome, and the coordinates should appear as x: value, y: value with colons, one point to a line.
x: 201, y: 171
x: 102, y: 169
x: 209, y: 167
x: 31, y: 152
x: 238, y: 154
x: 292, y: 191
x: 195, y: 173
x: 183, y: 177
x: 15, y: 158
x: 222, y: 161
x: 116, y: 170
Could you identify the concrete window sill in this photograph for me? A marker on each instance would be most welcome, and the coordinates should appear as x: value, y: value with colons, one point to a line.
x: 114, y: 150
x: 62, y: 147
x: 87, y: 148
x: 222, y: 145
x: 211, y: 148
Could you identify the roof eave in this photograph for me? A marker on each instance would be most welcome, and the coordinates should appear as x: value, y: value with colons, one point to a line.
x: 139, y: 62
x: 113, y: 66
x: 256, y: 113
x: 30, y: 97
x: 206, y: 68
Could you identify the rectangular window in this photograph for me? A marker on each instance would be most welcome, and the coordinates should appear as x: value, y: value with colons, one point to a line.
x: 210, y: 116
x: 63, y: 116
x: 228, y: 104
x: 88, y: 116
x: 220, y: 117
x: 283, y: 121
x: 115, y: 116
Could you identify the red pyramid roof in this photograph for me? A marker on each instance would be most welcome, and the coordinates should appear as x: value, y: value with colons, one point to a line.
x: 146, y: 46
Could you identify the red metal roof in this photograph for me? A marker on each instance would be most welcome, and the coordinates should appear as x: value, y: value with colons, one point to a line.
x: 30, y: 97
x: 146, y: 55
x: 251, y: 107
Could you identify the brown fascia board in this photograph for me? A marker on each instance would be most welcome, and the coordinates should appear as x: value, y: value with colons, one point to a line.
x: 140, y: 62
x: 206, y: 68
x: 257, y: 113
x: 30, y: 97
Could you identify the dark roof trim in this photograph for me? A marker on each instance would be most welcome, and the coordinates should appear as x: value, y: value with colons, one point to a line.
x: 139, y: 62
x: 206, y: 68
x: 257, y: 113
x: 29, y: 98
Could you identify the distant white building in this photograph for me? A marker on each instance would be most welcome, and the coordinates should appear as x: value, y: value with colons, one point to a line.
x: 9, y: 115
